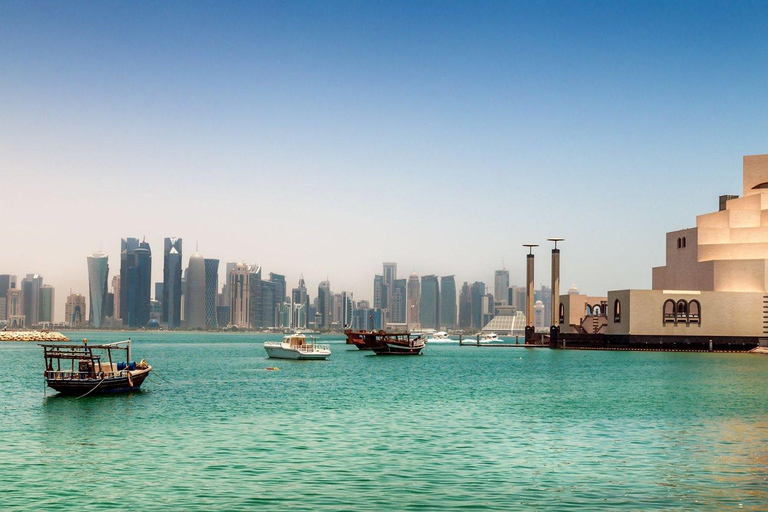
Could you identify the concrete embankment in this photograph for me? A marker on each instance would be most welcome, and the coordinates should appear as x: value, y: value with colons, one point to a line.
x: 32, y: 336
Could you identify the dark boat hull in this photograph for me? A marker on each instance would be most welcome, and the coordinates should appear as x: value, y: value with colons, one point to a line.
x: 394, y: 350
x: 80, y: 387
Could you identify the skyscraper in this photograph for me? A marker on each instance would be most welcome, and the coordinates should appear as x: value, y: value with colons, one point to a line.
x: 7, y: 282
x: 501, y: 285
x: 478, y: 292
x: 98, y: 277
x: 429, y: 308
x: 348, y: 310
x: 15, y: 308
x: 300, y: 301
x: 399, y: 301
x: 390, y: 275
x: 47, y: 301
x: 380, y: 293
x: 414, y: 297
x: 30, y: 290
x: 324, y: 304
x: 465, y: 307
x: 135, y: 282
x: 172, y: 282
x: 74, y: 311
x: 195, y: 298
x: 225, y: 289
x: 239, y: 284
x: 448, y: 302
x: 211, y: 292
x: 116, y: 296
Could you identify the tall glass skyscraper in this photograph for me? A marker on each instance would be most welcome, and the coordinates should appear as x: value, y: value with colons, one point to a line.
x: 135, y: 282
x: 211, y: 292
x: 195, y: 298
x: 172, y: 282
x: 465, y: 307
x: 414, y: 299
x: 478, y: 291
x: 397, y: 313
x: 448, y: 302
x: 45, y: 309
x: 500, y: 285
x: 30, y: 289
x: 429, y: 308
x: 324, y: 303
x: 98, y: 276
x: 300, y: 301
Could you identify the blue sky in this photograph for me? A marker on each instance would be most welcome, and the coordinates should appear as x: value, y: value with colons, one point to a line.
x: 327, y: 137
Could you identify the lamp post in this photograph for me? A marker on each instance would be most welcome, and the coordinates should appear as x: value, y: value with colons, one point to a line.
x: 554, y: 329
x: 529, y: 329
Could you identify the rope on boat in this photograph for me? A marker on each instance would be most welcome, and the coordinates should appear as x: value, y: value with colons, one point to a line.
x: 92, y: 390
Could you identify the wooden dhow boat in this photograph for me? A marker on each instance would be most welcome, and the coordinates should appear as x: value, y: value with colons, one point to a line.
x: 93, y: 369
x: 387, y: 343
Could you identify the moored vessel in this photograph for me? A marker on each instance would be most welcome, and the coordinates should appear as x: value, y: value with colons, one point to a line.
x: 295, y: 346
x: 93, y: 369
x: 387, y: 343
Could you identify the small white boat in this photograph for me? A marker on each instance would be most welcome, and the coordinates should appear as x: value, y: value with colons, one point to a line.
x: 489, y: 337
x: 440, y: 337
x: 295, y: 346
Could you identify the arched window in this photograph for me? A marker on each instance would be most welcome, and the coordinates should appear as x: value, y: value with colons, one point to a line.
x: 587, y: 310
x: 616, y: 311
x: 683, y: 242
x: 694, y: 312
x: 679, y: 242
x: 562, y: 313
x: 596, y: 311
x: 681, y: 310
x: 669, y: 310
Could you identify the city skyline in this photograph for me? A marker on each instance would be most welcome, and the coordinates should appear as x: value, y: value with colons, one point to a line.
x: 563, y: 124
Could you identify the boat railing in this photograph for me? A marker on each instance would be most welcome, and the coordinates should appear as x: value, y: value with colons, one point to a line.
x: 313, y: 348
x: 70, y: 375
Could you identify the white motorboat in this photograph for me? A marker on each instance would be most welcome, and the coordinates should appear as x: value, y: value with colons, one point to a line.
x: 440, y: 337
x: 489, y: 337
x: 295, y: 346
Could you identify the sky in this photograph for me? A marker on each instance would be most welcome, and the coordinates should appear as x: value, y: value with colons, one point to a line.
x: 324, y: 138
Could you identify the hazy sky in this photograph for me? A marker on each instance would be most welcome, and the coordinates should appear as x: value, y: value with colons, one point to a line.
x: 326, y: 137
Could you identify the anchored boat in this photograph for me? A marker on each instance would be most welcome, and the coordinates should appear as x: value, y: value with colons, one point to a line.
x: 85, y: 369
x: 295, y: 346
x: 387, y: 343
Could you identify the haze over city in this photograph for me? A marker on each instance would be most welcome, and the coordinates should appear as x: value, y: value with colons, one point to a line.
x: 326, y: 138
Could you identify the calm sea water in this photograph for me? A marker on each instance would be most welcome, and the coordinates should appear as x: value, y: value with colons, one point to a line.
x: 457, y: 428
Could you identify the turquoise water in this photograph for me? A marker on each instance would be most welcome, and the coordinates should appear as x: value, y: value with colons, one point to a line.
x: 457, y: 428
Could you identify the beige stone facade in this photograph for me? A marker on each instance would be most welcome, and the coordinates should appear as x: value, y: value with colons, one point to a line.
x: 712, y: 292
x: 728, y: 249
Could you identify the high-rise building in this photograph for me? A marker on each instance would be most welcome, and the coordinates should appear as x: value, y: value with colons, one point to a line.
x: 47, y: 301
x: 280, y: 292
x: 348, y: 310
x: 7, y: 282
x: 398, y: 304
x: 337, y: 307
x: 195, y: 297
x: 225, y: 288
x: 465, y: 307
x: 516, y: 297
x: 448, y: 302
x: 324, y: 305
x: 98, y: 278
x: 171, y: 299
x: 488, y: 309
x: 478, y: 292
x: 30, y: 290
x: 135, y: 282
x: 380, y: 293
x: 390, y: 275
x: 239, y: 283
x: 74, y: 310
x: 429, y: 308
x: 116, y: 280
x: 211, y: 292
x: 501, y: 285
x: 414, y: 297
x: 300, y: 301
x: 539, y: 317
x: 15, y: 308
